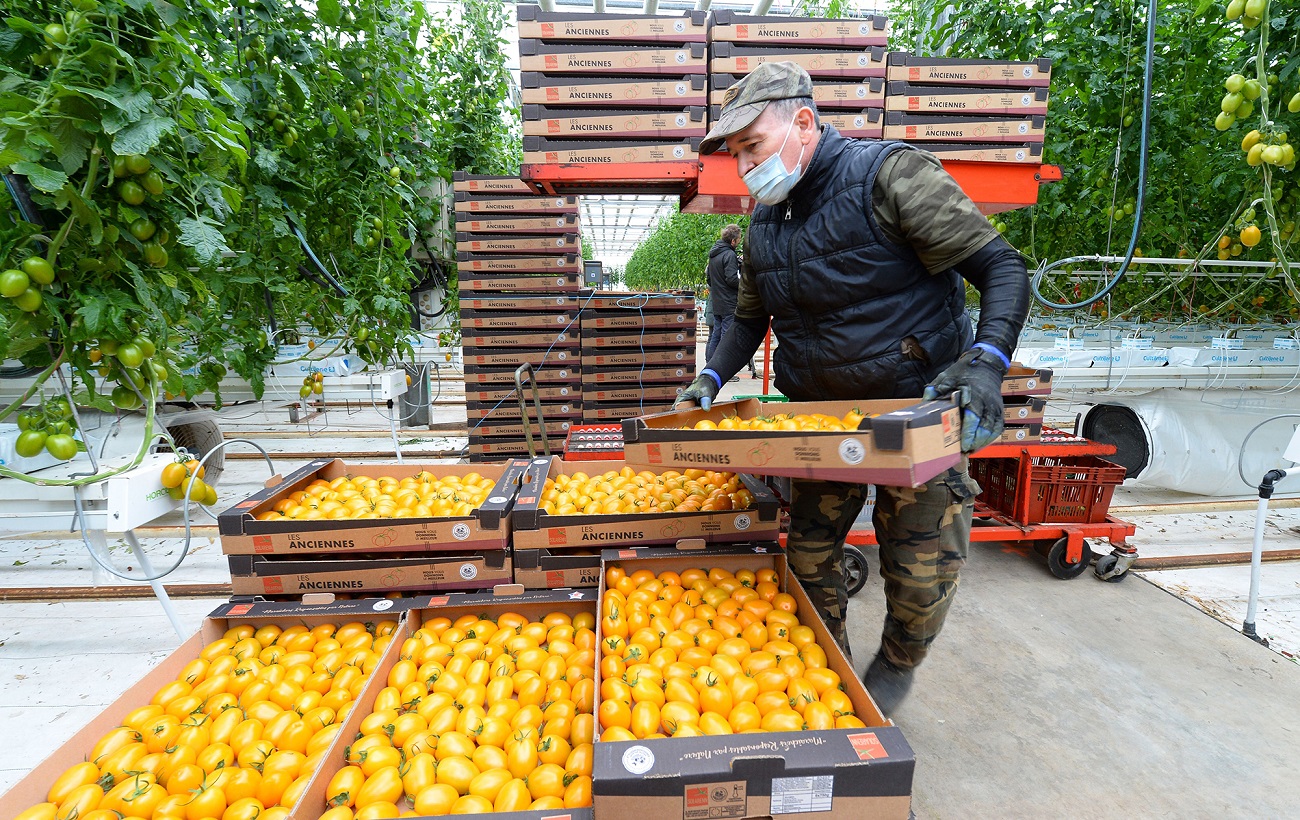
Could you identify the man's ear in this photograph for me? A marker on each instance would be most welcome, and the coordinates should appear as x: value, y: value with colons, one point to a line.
x: 806, y: 122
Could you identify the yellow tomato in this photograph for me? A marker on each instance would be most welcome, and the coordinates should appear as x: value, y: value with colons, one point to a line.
x: 75, y: 776
x: 436, y: 800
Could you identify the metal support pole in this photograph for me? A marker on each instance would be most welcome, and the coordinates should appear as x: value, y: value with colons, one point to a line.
x: 156, y: 584
x: 1257, y: 553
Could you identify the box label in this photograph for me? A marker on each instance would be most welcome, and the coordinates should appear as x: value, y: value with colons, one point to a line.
x: 704, y: 801
x: 797, y: 795
x: 868, y: 746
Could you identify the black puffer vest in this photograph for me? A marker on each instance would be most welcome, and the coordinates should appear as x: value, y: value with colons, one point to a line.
x: 857, y: 316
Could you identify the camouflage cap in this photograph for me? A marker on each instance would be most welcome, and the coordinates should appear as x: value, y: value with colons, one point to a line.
x: 746, y: 99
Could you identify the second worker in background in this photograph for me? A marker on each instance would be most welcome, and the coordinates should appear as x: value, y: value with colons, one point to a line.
x: 856, y: 257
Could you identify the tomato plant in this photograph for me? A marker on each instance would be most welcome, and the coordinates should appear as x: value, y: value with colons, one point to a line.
x: 675, y: 255
x: 174, y: 152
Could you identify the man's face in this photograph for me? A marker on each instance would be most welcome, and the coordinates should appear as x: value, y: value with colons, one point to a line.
x: 764, y: 136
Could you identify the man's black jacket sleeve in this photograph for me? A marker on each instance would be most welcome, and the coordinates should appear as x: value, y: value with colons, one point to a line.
x: 998, y: 272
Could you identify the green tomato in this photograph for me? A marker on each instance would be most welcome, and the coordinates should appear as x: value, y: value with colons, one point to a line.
x: 1245, y: 109
x: 28, y: 419
x: 1255, y: 8
x: 1235, y: 8
x: 138, y: 164
x: 130, y: 355
x: 363, y: 334
x: 152, y: 181
x: 1231, y: 102
x: 62, y: 446
x: 1128, y: 120
x: 108, y: 346
x: 377, y: 223
x: 1234, y: 82
x: 155, y: 255
x: 38, y: 270
x: 59, y: 408
x: 1252, y: 89
x: 1294, y: 104
x: 56, y: 35
x: 29, y: 301
x: 304, y: 391
x: 12, y: 283
x: 1224, y: 121
x: 159, y: 371
x: 395, y: 172
x: 119, y: 167
x: 279, y: 124
x: 29, y: 443
x: 146, y: 345
x: 318, y: 387
x: 130, y: 192
x: 124, y: 398
x: 143, y: 229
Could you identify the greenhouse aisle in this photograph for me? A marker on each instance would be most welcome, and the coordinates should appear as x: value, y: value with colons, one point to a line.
x: 1043, y: 698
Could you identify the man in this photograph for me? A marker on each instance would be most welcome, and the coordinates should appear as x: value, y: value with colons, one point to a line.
x: 856, y: 256
x: 724, y: 278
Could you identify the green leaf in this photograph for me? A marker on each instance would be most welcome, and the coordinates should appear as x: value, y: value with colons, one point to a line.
x: 202, y: 236
x: 141, y: 137
x: 329, y: 11
x: 42, y: 178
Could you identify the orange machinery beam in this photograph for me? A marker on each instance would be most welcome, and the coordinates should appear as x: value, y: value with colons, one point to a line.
x: 712, y: 185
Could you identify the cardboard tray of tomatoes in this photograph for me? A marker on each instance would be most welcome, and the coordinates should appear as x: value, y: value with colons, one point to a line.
x: 379, y: 615
x: 864, y: 771
x: 533, y: 528
x: 898, y: 442
x: 485, y: 528
x: 533, y: 606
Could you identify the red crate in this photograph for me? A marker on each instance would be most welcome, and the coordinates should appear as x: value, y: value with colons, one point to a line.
x: 1047, y: 489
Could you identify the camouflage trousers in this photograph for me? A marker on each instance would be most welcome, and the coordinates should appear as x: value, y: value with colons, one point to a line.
x: 924, y: 534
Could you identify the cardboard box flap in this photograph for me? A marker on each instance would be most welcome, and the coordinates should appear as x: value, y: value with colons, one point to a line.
x: 532, y: 596
x: 666, y: 768
x: 288, y: 610
x: 889, y: 430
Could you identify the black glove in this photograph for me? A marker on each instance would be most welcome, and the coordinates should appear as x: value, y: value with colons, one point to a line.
x: 702, y: 392
x: 976, y: 378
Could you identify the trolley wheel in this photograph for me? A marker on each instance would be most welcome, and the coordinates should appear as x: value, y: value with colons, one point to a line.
x: 855, y: 568
x: 1106, y: 564
x: 1061, y: 567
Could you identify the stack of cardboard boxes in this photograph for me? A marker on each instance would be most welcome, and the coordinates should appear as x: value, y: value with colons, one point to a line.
x: 958, y: 109
x: 845, y: 58
x: 519, y: 263
x: 608, y: 89
x: 638, y: 353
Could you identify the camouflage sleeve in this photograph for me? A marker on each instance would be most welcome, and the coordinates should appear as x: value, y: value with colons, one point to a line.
x: 749, y: 305
x: 918, y: 203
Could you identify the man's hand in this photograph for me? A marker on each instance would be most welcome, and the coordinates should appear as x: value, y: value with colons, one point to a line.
x: 976, y: 378
x: 702, y: 392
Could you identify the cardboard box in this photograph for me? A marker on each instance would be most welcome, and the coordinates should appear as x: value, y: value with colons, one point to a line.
x: 508, y: 409
x: 1027, y: 381
x: 512, y: 303
x: 657, y: 394
x: 935, y: 128
x: 33, y: 787
x: 929, y: 99
x: 490, y: 449
x: 566, y: 243
x: 494, y: 395
x: 488, y: 184
x: 490, y: 357
x: 534, y: 529
x: 547, y: 58
x: 487, y: 528
x: 750, y: 29
x: 368, y: 575
x: 479, y: 204
x: 865, y: 124
x: 478, y: 284
x: 550, y: 374
x: 604, y: 123
x: 594, y: 341
x: 1026, y: 434
x: 1023, y: 411
x: 618, y: 411
x: 838, y: 774
x: 909, y: 68
x: 639, y: 302
x: 515, y: 429
x: 649, y: 92
x: 534, y: 605
x: 1030, y: 153
x: 635, y: 376
x: 547, y: 569
x: 542, y: 151
x: 495, y: 320
x: 691, y: 27
x: 734, y: 59
x: 630, y: 319
x: 476, y: 339
x: 638, y: 358
x: 473, y: 263
x: 906, y: 445
x: 477, y: 223
x: 833, y: 93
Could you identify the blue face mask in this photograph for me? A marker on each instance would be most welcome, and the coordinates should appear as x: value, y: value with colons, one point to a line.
x: 769, y: 182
